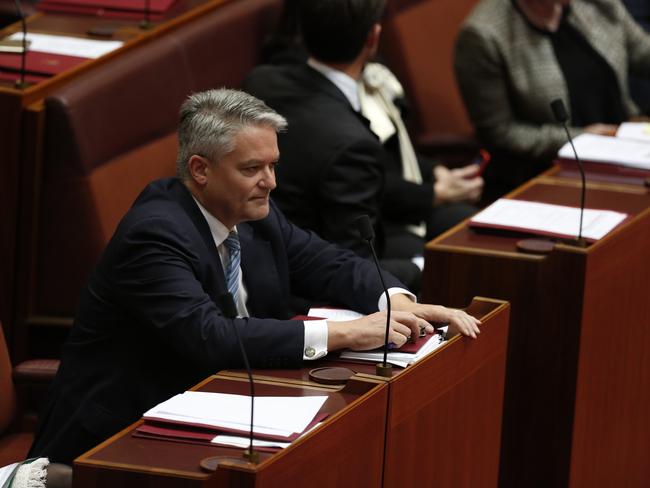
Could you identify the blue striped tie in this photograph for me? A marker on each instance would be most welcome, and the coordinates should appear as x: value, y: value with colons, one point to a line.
x: 232, y: 268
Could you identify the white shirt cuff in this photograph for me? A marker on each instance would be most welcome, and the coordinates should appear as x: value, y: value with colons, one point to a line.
x: 315, y: 340
x: 394, y: 291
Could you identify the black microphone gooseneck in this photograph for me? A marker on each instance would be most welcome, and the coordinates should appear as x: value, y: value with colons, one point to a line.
x: 146, y: 21
x: 229, y: 310
x: 560, y: 113
x: 367, y: 234
x: 212, y: 463
x: 20, y: 83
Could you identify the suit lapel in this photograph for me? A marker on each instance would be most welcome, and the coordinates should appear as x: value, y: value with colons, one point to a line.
x: 184, y: 198
x: 260, y: 273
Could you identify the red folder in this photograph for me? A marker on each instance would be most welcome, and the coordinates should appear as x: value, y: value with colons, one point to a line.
x: 13, y: 76
x: 40, y: 64
x: 133, y: 9
x: 148, y: 431
x: 198, y: 431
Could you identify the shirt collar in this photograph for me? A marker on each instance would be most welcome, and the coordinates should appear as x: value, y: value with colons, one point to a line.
x: 341, y: 80
x: 219, y: 231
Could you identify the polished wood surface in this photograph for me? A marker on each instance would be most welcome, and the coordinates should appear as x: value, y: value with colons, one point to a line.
x: 579, y: 351
x: 346, y: 450
x: 444, y: 414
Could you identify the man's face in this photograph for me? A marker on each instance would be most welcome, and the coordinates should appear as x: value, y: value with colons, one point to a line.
x: 239, y: 184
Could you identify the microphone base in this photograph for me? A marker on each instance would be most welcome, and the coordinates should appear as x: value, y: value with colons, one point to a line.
x: 211, y: 464
x: 581, y: 243
x: 21, y: 85
x: 384, y: 369
x: 331, y: 375
x: 145, y: 25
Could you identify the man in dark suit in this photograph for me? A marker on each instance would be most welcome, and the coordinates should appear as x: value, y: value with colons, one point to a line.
x: 348, y: 151
x: 150, y: 324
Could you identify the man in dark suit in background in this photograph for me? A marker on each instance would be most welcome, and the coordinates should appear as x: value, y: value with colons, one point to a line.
x: 150, y: 324
x: 348, y: 152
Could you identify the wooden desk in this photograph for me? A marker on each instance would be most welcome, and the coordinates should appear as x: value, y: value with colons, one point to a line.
x: 346, y: 450
x: 577, y: 395
x: 444, y: 412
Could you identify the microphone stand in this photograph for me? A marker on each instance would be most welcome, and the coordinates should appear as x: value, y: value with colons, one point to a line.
x: 21, y: 83
x: 367, y: 234
x: 561, y: 116
x: 229, y: 310
x: 146, y: 22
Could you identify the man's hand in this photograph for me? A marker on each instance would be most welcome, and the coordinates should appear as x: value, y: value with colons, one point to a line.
x: 369, y: 332
x: 458, y: 320
x: 459, y: 184
x: 602, y: 129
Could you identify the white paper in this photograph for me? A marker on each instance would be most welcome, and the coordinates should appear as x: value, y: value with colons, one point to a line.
x: 280, y: 416
x: 68, y: 46
x: 545, y: 218
x: 244, y: 442
x: 638, y: 131
x: 401, y: 359
x: 334, y: 314
x: 609, y: 150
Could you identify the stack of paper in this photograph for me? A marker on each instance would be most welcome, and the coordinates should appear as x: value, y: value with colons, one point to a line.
x: 546, y: 219
x: 67, y: 45
x: 401, y: 359
x: 636, y: 131
x: 609, y: 150
x: 203, y: 417
x: 406, y: 355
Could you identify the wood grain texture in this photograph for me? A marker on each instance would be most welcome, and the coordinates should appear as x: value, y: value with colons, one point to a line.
x: 347, y: 448
x: 563, y: 308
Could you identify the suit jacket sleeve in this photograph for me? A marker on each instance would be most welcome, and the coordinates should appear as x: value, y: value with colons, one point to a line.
x: 329, y: 274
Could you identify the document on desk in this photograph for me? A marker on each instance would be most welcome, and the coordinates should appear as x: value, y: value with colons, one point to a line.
x: 609, y: 150
x: 546, y: 219
x: 278, y: 418
x: 636, y: 131
x: 402, y: 358
x: 67, y: 45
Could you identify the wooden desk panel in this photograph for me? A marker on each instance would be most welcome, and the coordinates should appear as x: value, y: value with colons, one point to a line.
x: 560, y: 364
x: 444, y: 416
x: 346, y: 450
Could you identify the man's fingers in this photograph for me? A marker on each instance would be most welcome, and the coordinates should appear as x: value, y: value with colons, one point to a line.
x: 409, y: 320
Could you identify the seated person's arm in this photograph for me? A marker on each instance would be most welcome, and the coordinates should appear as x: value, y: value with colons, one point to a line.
x: 482, y: 82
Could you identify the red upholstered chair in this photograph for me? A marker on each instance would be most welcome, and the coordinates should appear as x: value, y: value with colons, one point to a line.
x: 17, y: 413
x: 417, y: 45
x: 106, y: 135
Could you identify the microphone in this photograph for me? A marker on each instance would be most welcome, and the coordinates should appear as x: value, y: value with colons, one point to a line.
x: 367, y: 234
x: 229, y: 309
x: 146, y: 21
x: 560, y: 114
x: 20, y: 83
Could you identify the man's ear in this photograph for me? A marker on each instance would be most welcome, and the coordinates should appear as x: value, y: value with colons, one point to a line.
x: 372, y: 43
x: 197, y: 168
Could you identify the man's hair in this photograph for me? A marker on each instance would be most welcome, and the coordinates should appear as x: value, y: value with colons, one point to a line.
x: 210, y: 120
x: 335, y: 31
